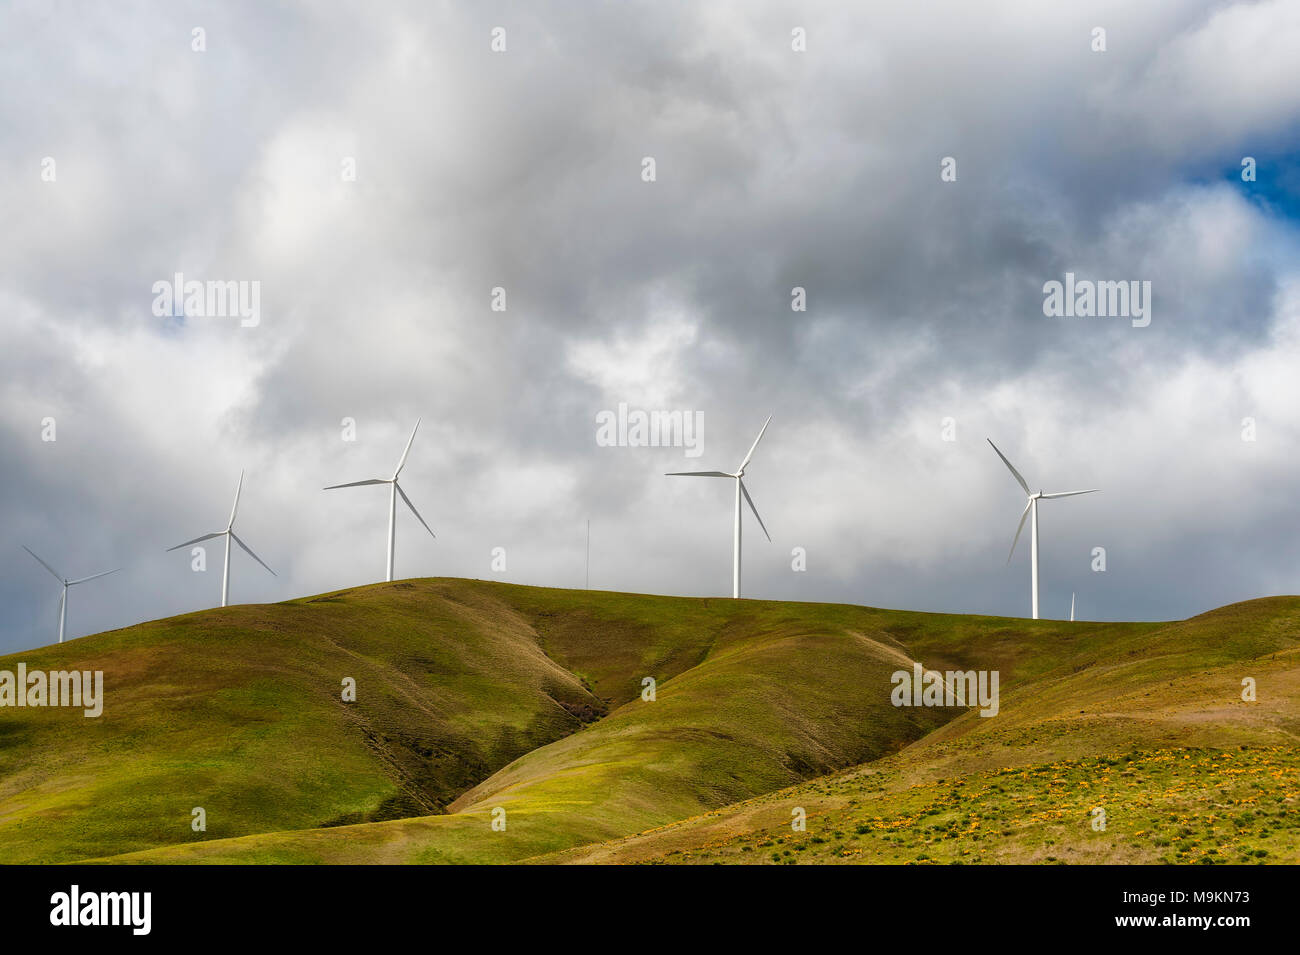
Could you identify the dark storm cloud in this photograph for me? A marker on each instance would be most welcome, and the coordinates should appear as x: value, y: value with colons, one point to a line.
x: 521, y: 170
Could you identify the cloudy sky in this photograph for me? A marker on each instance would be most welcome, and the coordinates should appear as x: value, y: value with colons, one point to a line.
x: 126, y: 156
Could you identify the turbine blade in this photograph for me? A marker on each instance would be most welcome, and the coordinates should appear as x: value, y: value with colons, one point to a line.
x: 1020, y: 480
x: 1071, y: 493
x: 238, y: 487
x: 402, y: 463
x: 698, y: 474
x: 57, y: 575
x: 357, y: 484
x: 755, y: 445
x: 413, y: 510
x: 205, y: 537
x: 1016, y: 540
x: 745, y: 491
x: 248, y: 550
x: 82, y: 580
x: 94, y: 577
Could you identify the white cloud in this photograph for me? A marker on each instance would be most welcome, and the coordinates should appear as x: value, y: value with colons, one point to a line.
x: 776, y: 169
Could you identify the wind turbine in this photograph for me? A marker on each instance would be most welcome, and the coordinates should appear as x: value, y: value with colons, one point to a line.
x: 395, y: 490
x: 63, y: 599
x: 229, y: 534
x: 1031, y: 508
x: 740, y: 490
x: 1071, y: 607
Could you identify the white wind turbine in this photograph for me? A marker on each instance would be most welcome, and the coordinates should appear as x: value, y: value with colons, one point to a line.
x: 63, y: 599
x: 1031, y: 508
x: 229, y: 534
x: 395, y: 490
x: 740, y: 490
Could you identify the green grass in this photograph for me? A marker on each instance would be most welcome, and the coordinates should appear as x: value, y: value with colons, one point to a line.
x: 476, y: 696
x: 1162, y: 806
x: 1153, y: 731
x: 239, y: 711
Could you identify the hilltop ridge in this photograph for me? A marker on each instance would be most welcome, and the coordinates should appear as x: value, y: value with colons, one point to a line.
x: 475, y: 696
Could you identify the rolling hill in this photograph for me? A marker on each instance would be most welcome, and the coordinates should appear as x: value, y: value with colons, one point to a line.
x: 1154, y: 733
x: 480, y: 701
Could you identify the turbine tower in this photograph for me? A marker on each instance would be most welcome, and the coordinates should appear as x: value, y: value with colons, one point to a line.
x: 1031, y: 509
x: 63, y: 599
x: 740, y: 491
x: 393, y: 491
x: 229, y: 534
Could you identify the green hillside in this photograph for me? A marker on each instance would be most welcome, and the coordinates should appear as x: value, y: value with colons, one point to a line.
x: 476, y: 696
x: 1151, y: 729
x: 239, y: 711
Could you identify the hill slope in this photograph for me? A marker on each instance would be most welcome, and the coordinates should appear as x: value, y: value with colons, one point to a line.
x: 1153, y: 732
x: 239, y: 711
x: 476, y: 697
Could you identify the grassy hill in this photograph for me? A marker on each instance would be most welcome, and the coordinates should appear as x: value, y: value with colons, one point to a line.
x: 1151, y: 729
x: 475, y: 697
x: 240, y: 711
